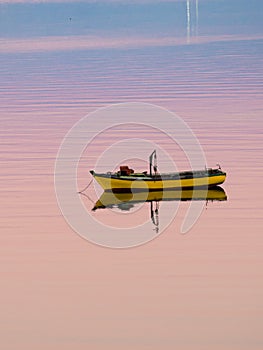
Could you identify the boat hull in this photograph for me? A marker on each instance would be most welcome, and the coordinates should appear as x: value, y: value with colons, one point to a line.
x: 118, y: 184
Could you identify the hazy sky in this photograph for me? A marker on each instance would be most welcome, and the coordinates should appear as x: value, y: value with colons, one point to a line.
x: 151, y: 18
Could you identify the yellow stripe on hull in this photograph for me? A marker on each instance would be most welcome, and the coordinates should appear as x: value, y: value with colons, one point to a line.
x: 111, y: 184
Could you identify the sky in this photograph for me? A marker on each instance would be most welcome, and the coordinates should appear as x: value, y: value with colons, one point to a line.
x: 129, y: 19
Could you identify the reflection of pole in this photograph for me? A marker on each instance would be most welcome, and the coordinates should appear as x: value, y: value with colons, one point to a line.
x: 188, y: 20
x: 155, y: 215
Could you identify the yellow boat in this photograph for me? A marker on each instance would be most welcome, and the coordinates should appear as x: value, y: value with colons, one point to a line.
x: 125, y: 180
x: 125, y: 201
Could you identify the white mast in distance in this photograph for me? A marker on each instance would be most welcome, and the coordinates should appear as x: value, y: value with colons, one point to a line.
x: 196, y: 17
x: 188, y: 20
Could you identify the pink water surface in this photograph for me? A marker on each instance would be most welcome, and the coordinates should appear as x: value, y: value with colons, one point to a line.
x: 202, y: 290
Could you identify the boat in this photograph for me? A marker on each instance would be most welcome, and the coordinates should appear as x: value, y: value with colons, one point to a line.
x: 125, y: 201
x: 126, y: 180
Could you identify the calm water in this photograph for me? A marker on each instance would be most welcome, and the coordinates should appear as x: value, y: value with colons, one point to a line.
x: 202, y: 290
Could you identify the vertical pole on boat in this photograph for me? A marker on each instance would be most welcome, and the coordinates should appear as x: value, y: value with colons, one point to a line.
x: 153, y: 162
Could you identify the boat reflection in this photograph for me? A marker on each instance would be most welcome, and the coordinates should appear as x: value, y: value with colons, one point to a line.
x: 126, y: 201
